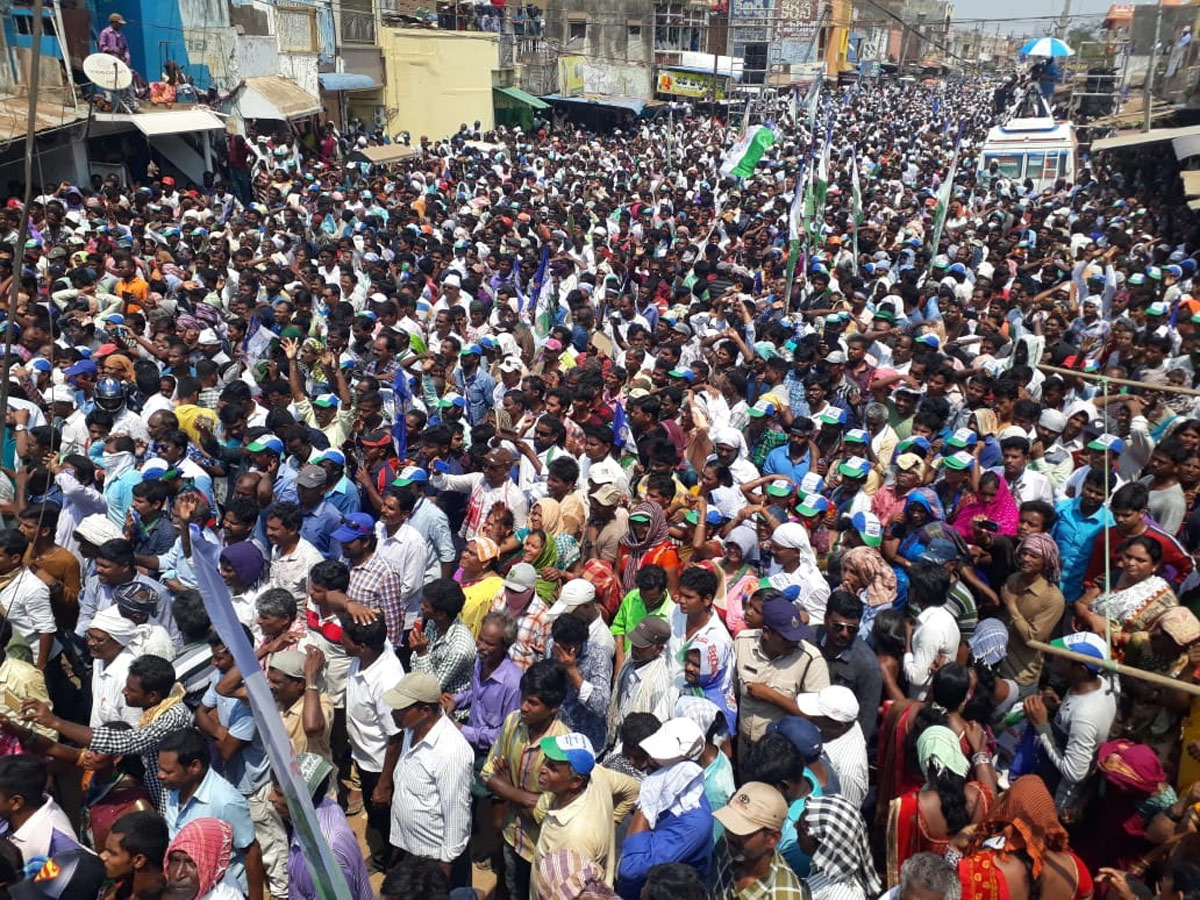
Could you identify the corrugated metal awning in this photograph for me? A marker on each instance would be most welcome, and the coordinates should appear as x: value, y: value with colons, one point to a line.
x: 272, y: 97
x: 53, y: 111
x: 1138, y: 138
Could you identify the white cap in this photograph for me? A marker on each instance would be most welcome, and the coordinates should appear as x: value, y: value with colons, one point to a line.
x: 60, y: 393
x: 675, y: 740
x: 835, y: 702
x: 575, y: 593
x: 208, y: 336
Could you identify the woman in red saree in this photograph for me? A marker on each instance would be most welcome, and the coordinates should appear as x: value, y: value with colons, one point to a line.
x: 928, y: 818
x: 1021, y: 846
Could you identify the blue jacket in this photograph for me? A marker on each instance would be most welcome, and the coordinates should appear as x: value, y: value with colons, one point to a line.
x: 683, y: 839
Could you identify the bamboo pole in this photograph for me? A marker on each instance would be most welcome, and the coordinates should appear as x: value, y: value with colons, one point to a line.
x: 1138, y: 384
x: 1119, y: 668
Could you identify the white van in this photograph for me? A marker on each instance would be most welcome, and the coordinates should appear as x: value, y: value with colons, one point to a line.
x: 1031, y: 145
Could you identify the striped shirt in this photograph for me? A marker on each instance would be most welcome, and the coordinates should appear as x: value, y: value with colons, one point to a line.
x: 524, y: 758
x: 431, y: 793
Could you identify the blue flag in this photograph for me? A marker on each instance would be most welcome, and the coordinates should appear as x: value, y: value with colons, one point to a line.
x: 535, y: 287
x: 401, y: 399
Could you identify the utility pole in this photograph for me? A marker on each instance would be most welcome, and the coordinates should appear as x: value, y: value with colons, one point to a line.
x: 1060, y: 30
x: 1149, y: 85
x: 35, y: 79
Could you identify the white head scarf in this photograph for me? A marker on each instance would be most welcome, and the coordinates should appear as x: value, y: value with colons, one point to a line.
x: 115, y: 625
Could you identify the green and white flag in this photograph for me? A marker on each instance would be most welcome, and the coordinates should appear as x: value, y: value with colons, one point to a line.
x: 795, y: 233
x: 815, y: 208
x: 945, y: 190
x: 745, y: 154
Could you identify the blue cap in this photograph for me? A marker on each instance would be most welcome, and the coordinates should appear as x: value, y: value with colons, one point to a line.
x: 354, y: 527
x: 1188, y: 265
x: 1109, y: 442
x: 855, y: 467
x: 783, y: 617
x: 910, y: 442
x: 940, y: 551
x: 326, y: 401
x: 41, y: 364
x: 573, y: 748
x: 116, y: 319
x: 83, y: 367
x: 802, y: 733
x: 1173, y: 270
x: 868, y: 526
x: 267, y: 443
x: 857, y: 436
x: 487, y: 342
x: 330, y: 455
x: 958, y: 269
x: 471, y: 350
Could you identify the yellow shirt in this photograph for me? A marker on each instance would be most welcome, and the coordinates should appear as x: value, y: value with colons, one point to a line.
x: 479, y: 597
x: 293, y: 724
x: 588, y: 823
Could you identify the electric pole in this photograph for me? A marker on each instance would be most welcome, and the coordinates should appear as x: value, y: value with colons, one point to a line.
x: 1149, y: 85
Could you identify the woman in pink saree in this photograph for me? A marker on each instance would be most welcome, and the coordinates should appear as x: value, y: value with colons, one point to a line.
x: 993, y: 504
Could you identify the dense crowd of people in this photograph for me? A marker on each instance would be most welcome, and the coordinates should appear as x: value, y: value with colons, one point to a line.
x: 580, y: 543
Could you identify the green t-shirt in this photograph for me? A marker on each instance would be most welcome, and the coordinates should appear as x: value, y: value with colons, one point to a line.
x: 633, y: 610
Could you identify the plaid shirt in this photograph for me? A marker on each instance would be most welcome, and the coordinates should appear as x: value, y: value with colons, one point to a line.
x: 144, y: 741
x: 376, y: 584
x: 797, y: 396
x: 450, y: 657
x: 781, y: 882
x: 524, y: 759
x: 767, y: 441
x: 533, y: 630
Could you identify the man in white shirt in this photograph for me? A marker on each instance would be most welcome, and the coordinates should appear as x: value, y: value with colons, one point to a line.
x: 374, y: 735
x: 107, y: 640
x: 936, y: 633
x: 834, y: 710
x: 1025, y: 483
x: 486, y: 489
x: 431, y: 785
x: 38, y: 827
x: 25, y: 598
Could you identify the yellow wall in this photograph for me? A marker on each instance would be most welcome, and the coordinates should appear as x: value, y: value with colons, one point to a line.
x: 437, y: 80
x: 839, y: 38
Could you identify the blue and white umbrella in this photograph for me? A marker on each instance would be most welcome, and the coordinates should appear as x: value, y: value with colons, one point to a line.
x: 1047, y: 46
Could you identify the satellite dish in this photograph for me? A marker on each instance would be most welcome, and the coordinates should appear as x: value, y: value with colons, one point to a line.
x: 107, y: 71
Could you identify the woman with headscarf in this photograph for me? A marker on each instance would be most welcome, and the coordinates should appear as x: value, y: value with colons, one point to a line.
x: 1146, y: 713
x: 1021, y: 848
x: 479, y: 580
x: 993, y: 506
x: 904, y: 542
x: 608, y: 588
x: 541, y: 552
x: 703, y: 675
x: 197, y: 859
x: 244, y: 570
x: 647, y: 543
x: 1133, y: 790
x: 739, y: 568
x: 985, y: 424
x: 832, y: 832
x: 794, y: 563
x: 546, y: 515
x: 928, y: 818
x: 866, y: 574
